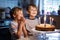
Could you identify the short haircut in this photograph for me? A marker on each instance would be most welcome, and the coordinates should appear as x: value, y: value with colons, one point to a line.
x: 29, y: 6
x: 13, y: 11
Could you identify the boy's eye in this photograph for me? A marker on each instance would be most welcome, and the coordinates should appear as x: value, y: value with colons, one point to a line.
x: 33, y: 10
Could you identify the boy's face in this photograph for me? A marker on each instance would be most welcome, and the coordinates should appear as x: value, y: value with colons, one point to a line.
x: 19, y: 15
x: 32, y: 11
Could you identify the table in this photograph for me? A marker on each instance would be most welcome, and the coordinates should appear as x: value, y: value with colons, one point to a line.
x: 46, y: 35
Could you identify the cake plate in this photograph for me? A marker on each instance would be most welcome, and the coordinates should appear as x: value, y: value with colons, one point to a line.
x: 41, y: 35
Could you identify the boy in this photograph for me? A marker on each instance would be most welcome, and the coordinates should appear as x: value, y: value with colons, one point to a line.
x: 32, y: 20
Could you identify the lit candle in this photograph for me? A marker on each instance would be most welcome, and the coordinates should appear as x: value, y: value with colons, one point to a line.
x: 50, y: 21
x: 39, y: 20
x: 44, y: 20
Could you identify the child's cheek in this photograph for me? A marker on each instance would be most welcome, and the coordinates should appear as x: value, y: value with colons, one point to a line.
x: 18, y: 17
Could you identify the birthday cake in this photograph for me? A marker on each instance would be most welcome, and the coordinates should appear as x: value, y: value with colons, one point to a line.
x: 46, y: 27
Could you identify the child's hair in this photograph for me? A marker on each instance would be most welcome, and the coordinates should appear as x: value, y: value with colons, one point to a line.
x: 13, y: 11
x: 28, y: 7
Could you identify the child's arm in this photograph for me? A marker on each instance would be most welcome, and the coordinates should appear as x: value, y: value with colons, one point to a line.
x: 24, y: 31
x: 21, y: 27
x: 16, y: 32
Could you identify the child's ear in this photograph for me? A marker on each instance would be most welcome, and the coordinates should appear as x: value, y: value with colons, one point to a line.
x: 14, y: 16
x: 27, y: 12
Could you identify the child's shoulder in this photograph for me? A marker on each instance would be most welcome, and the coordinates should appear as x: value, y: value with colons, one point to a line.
x: 13, y: 23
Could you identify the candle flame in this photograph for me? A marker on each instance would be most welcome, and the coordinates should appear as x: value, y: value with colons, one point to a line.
x: 52, y: 19
x: 39, y: 17
x: 45, y: 18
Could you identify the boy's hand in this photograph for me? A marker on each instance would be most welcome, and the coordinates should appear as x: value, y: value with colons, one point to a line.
x: 21, y: 20
x: 20, y: 26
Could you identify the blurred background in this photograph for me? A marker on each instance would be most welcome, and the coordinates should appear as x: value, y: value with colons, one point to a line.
x: 50, y: 7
